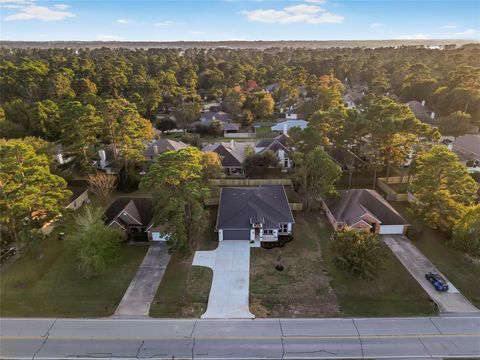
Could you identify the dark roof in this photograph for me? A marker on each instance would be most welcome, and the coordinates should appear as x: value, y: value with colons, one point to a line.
x: 140, y: 208
x: 241, y: 206
x: 345, y: 157
x: 163, y: 145
x: 76, y: 192
x: 421, y: 112
x: 467, y: 147
x: 231, y: 157
x: 282, y: 138
x: 230, y: 127
x: 209, y: 116
x: 353, y: 204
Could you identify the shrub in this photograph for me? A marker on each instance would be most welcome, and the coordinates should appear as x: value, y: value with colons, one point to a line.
x: 358, y: 253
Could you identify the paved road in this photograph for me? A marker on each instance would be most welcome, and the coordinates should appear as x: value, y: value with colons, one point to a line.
x: 418, y: 265
x: 230, y: 263
x: 142, y: 289
x: 434, y: 337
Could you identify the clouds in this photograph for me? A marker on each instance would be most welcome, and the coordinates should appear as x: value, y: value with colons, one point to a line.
x: 166, y: 23
x: 28, y: 10
x: 376, y: 25
x: 124, y: 21
x: 302, y: 13
x: 413, y: 37
x: 469, y: 33
x: 449, y: 26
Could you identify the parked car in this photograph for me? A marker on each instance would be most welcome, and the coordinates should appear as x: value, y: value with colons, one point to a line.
x: 437, y: 281
x: 7, y: 253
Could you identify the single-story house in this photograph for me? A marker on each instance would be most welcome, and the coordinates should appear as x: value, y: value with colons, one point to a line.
x: 233, y: 154
x: 421, y: 111
x: 467, y: 148
x: 258, y: 214
x: 134, y: 216
x: 78, y: 198
x: 285, y: 126
x: 365, y: 210
x: 279, y: 146
x: 158, y: 146
x: 225, y: 120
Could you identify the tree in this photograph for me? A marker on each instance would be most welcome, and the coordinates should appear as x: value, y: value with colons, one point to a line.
x: 265, y: 105
x: 456, y: 124
x: 166, y: 124
x: 179, y: 186
x: 102, y: 185
x: 247, y: 119
x: 442, y: 187
x: 212, y: 165
x: 45, y: 119
x: 358, y: 253
x: 466, y: 233
x: 315, y: 174
x: 233, y: 101
x: 255, y: 164
x: 94, y: 245
x: 80, y: 126
x: 30, y: 195
x: 186, y: 114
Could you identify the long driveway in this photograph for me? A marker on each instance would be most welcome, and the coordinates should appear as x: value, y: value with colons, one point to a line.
x: 434, y: 337
x: 142, y: 289
x: 418, y: 265
x: 229, y: 292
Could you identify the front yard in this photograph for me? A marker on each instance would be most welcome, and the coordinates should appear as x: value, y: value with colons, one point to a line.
x: 49, y: 286
x: 460, y: 269
x: 311, y: 286
x: 184, y: 289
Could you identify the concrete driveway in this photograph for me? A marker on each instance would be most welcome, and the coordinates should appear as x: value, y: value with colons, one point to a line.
x: 229, y: 293
x: 418, y: 265
x: 142, y: 289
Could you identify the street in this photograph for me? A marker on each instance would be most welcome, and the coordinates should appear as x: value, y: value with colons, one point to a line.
x: 427, y: 337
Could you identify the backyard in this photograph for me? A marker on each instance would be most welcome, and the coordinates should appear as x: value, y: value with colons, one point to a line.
x: 49, y: 286
x: 304, y: 287
x: 459, y: 268
x: 184, y: 289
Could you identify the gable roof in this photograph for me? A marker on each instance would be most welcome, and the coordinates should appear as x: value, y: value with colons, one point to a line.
x: 163, y: 145
x: 138, y: 211
x: 421, y: 112
x: 353, y: 204
x: 282, y: 138
x: 77, y: 191
x: 231, y: 157
x: 209, y: 116
x: 241, y: 206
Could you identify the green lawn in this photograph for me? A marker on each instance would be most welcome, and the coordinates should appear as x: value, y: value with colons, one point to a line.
x: 184, y: 289
x: 49, y: 286
x: 264, y: 132
x: 393, y: 293
x: 456, y: 266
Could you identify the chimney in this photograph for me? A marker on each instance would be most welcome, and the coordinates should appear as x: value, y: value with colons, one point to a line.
x: 232, y: 144
x: 281, y: 155
x: 285, y: 128
x: 450, y: 147
x: 423, y: 102
x: 155, y: 148
x: 432, y: 115
x: 103, y: 158
x: 60, y: 158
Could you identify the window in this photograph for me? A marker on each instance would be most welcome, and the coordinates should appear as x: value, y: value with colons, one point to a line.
x: 285, y: 163
x: 268, y: 232
x: 283, y: 228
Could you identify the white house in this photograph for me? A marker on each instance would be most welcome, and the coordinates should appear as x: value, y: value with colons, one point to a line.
x: 285, y: 126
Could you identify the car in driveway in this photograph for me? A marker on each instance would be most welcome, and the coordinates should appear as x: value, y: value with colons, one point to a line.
x: 437, y: 281
x: 5, y: 254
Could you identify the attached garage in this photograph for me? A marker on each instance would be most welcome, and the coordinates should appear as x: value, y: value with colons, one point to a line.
x: 236, y: 234
x: 392, y: 229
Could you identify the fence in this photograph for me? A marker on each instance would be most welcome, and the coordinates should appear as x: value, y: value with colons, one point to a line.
x: 240, y: 135
x: 250, y: 182
x: 392, y: 195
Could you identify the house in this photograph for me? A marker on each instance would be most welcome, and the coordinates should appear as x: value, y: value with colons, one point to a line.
x: 233, y: 154
x: 106, y: 160
x: 421, y: 112
x: 346, y: 159
x: 226, y: 125
x: 258, y: 214
x: 285, y: 126
x: 365, y: 210
x: 279, y: 146
x: 134, y: 216
x: 158, y: 146
x: 467, y: 148
x: 78, y: 198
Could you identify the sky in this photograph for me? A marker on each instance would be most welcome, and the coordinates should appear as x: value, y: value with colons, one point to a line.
x: 122, y: 20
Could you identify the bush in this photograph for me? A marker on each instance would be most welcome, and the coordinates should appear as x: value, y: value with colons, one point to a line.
x: 466, y: 233
x: 414, y: 233
x: 257, y: 163
x: 358, y: 253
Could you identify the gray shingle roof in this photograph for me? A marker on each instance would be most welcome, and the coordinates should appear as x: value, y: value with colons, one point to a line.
x: 231, y: 157
x: 140, y: 208
x: 467, y: 147
x: 163, y: 145
x: 209, y: 116
x: 241, y: 206
x: 354, y: 203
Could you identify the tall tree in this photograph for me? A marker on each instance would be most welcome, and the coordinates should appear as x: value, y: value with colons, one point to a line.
x: 30, y: 195
x: 442, y: 187
x: 102, y: 185
x: 186, y: 114
x: 466, y: 233
x: 315, y: 174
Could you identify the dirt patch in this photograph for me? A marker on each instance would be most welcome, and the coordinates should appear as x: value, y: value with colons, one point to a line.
x: 302, y: 289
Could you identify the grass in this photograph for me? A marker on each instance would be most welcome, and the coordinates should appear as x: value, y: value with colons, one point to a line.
x: 50, y: 286
x: 264, y: 132
x: 393, y: 293
x: 455, y: 265
x: 184, y: 289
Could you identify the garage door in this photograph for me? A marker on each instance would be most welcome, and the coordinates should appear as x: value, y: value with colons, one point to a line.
x: 391, y: 229
x: 236, y: 234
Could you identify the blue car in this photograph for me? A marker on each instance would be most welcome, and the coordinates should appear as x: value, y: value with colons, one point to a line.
x: 437, y: 281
